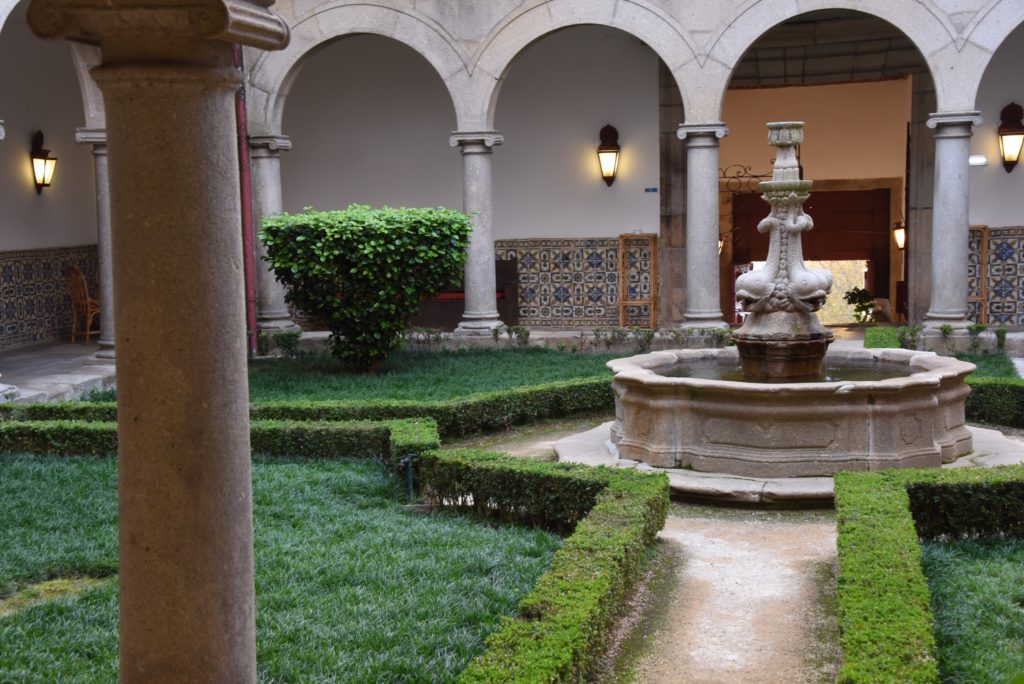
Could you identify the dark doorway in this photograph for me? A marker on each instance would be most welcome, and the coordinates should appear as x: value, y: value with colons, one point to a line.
x: 848, y: 225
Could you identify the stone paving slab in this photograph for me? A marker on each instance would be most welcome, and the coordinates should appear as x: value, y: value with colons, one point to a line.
x: 54, y: 371
x: 593, y: 447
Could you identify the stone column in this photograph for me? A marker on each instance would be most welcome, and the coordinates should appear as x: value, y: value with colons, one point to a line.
x: 97, y: 137
x: 703, y: 307
x: 187, y: 610
x: 481, y: 313
x: 265, y: 158
x: 950, y: 224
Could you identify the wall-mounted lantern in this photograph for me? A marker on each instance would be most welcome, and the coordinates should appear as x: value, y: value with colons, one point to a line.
x: 608, y: 154
x: 899, y: 234
x: 1011, y: 135
x: 43, y: 164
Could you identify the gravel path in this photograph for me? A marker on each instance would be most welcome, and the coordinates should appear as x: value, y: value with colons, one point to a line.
x: 738, y: 595
x: 753, y: 599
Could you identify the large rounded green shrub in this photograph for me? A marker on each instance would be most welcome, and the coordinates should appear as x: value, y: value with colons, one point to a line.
x: 364, y: 271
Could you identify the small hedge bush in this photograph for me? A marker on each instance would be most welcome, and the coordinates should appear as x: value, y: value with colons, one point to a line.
x: 999, y: 401
x: 564, y: 622
x: 364, y: 271
x: 884, y: 611
x: 474, y: 414
x: 269, y: 437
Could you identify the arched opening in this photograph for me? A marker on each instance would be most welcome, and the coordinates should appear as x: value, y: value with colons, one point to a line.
x: 864, y: 91
x: 553, y: 212
x: 369, y: 121
x: 41, y: 234
x: 997, y: 239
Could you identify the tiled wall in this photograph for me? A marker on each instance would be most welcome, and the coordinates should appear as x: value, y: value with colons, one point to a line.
x: 996, y: 274
x: 574, y: 283
x: 34, y: 301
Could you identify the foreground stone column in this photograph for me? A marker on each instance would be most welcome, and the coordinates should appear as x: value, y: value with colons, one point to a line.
x: 97, y: 137
x: 185, y: 489
x: 703, y: 308
x: 950, y: 223
x: 265, y: 158
x: 481, y: 313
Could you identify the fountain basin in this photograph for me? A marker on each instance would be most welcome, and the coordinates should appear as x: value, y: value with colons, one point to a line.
x: 791, y: 429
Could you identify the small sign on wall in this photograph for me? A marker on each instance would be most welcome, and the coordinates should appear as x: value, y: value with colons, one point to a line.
x: 650, y: 189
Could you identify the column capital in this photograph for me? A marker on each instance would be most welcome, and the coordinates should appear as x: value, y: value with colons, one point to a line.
x: 939, y: 120
x: 486, y: 138
x: 270, y: 144
x: 91, y: 136
x: 228, y: 21
x: 717, y: 129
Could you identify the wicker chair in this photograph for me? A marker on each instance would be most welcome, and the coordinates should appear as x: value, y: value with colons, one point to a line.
x: 83, y: 307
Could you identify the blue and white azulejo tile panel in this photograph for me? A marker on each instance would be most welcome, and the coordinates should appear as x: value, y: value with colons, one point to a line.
x: 34, y: 302
x: 574, y: 282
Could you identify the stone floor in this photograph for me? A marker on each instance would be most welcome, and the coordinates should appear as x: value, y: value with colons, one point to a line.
x: 54, y: 371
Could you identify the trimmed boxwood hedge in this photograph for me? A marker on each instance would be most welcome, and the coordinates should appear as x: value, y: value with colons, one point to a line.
x: 269, y: 437
x: 486, y: 412
x: 999, y: 401
x: 563, y: 623
x: 884, y: 611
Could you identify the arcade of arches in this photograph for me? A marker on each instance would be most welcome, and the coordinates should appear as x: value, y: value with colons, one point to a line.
x: 368, y: 101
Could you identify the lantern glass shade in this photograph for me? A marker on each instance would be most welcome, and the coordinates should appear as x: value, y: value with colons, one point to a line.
x: 43, y: 165
x: 1009, y: 146
x: 609, y: 159
x: 899, y: 233
x: 42, y: 170
x: 1011, y: 134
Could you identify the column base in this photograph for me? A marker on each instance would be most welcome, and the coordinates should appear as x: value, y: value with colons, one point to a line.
x: 276, y: 324
x: 477, y: 327
x: 105, y: 353
x: 715, y: 320
x: 936, y: 321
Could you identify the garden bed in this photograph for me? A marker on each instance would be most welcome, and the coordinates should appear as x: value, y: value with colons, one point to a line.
x: 343, y: 571
x: 63, y: 513
x: 884, y: 610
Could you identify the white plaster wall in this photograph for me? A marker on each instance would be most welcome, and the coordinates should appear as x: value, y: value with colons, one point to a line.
x: 369, y: 121
x: 853, y: 130
x: 39, y: 91
x: 995, y: 194
x: 558, y: 95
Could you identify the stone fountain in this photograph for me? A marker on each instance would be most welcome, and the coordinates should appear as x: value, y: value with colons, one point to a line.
x: 780, y: 404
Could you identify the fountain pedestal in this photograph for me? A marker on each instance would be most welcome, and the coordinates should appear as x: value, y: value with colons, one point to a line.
x: 782, y: 338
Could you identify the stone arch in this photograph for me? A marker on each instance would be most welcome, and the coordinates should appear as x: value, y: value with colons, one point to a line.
x: 642, y: 20
x: 273, y: 73
x: 83, y: 58
x: 989, y: 30
x: 6, y: 7
x: 927, y: 29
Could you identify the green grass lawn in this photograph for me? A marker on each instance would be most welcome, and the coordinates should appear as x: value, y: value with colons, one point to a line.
x: 977, y: 590
x: 350, y: 586
x: 421, y: 376
x: 997, y: 365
